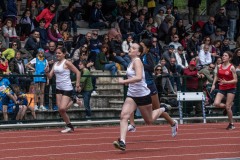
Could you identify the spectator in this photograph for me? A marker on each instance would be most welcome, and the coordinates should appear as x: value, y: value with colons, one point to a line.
x: 127, y: 44
x: 209, y: 27
x: 151, y: 6
x: 236, y: 59
x: 54, y: 34
x: 134, y: 13
x: 126, y: 25
x: 204, y: 57
x: 180, y: 29
x: 34, y: 9
x: 11, y: 11
x: 43, y: 33
x: 17, y: 67
x: 144, y: 12
x: 3, y: 6
x: 169, y: 53
x: 40, y: 64
x: 82, y: 50
x: 174, y: 74
x: 207, y: 41
x: 69, y: 15
x: 158, y: 78
x: 84, y: 40
x: 192, y: 86
x: 2, y: 40
x: 225, y: 46
x: 9, y: 53
x: 26, y: 24
x: 232, y: 12
x: 185, y: 40
x: 217, y: 35
x: 97, y: 20
x: 86, y: 88
x: 48, y: 14
x: 193, y: 8
x: 9, y: 31
x: 94, y: 47
x: 159, y: 18
x: 221, y: 20
x: 51, y: 58
x: 192, y: 47
x: 181, y: 57
x: 33, y: 43
x: 140, y: 26
x: 175, y: 42
x: 164, y: 28
x: 156, y: 50
x: 103, y: 62
x: 207, y: 74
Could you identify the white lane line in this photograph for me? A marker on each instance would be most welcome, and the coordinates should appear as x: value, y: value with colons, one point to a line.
x: 100, y: 144
x: 232, y: 158
x: 181, y: 155
x: 129, y: 150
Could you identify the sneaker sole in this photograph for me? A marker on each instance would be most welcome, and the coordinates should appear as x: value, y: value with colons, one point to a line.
x: 67, y: 131
x: 117, y: 146
x: 176, y: 123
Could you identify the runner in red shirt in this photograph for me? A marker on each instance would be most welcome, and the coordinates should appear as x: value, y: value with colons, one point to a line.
x: 227, y: 77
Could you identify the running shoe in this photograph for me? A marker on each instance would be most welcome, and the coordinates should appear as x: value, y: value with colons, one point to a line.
x: 230, y: 126
x: 166, y: 106
x: 42, y: 108
x: 174, y: 128
x: 119, y: 145
x: 131, y: 128
x: 67, y: 130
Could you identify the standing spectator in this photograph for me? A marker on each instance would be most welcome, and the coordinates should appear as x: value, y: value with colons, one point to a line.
x: 17, y: 67
x: 227, y: 78
x: 140, y: 26
x: 151, y: 6
x: 193, y: 8
x: 40, y: 64
x: 50, y: 56
x: 221, y: 20
x: 192, y: 86
x: 126, y: 25
x: 86, y: 88
x: 48, y: 14
x: 33, y: 43
x: 232, y: 12
x: 97, y: 20
x: 3, y: 6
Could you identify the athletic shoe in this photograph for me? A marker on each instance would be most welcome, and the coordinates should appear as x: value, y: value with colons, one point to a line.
x: 131, y: 128
x: 42, y: 108
x: 174, y: 128
x: 94, y: 93
x: 35, y: 108
x: 119, y: 145
x: 166, y: 106
x: 67, y: 130
x: 230, y: 126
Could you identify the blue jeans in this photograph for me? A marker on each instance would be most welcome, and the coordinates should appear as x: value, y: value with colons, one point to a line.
x: 72, y: 24
x: 123, y: 60
x: 86, y: 99
x: 111, y: 67
x: 232, y: 28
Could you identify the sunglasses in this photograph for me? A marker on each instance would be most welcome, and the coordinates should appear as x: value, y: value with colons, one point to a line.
x: 158, y: 69
x: 95, y: 34
x: 211, y: 67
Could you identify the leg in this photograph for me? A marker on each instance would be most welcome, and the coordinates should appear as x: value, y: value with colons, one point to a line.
x: 86, y: 99
x: 42, y: 87
x: 5, y: 114
x: 218, y: 99
x: 229, y: 103
x: 63, y: 102
x: 24, y: 109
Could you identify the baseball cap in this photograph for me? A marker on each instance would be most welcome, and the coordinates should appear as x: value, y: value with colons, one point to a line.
x: 193, y: 63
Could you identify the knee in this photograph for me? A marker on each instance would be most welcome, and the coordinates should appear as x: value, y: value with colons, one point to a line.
x: 216, y: 104
x: 125, y: 116
x: 61, y: 110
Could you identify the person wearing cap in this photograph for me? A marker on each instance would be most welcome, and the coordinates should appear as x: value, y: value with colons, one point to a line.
x: 181, y: 57
x: 40, y: 64
x: 191, y: 77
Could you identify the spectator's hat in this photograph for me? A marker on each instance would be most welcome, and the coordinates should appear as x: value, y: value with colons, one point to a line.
x: 192, y: 63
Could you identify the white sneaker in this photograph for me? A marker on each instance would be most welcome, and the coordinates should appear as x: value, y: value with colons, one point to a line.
x: 94, y: 93
x: 35, y: 108
x: 175, y: 128
x: 131, y: 128
x: 67, y: 130
x: 42, y: 108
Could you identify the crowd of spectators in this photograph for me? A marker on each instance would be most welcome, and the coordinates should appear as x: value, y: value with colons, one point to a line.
x: 176, y: 50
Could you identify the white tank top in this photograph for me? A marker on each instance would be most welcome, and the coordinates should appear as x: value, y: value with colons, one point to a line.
x: 137, y: 89
x: 63, y: 81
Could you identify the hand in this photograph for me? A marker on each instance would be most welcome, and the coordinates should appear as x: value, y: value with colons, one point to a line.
x: 121, y: 80
x: 213, y: 87
x: 114, y: 54
x: 222, y: 81
x: 46, y: 69
x: 78, y: 88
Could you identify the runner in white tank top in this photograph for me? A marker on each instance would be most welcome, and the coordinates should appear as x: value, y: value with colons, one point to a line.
x: 64, y: 87
x: 138, y: 96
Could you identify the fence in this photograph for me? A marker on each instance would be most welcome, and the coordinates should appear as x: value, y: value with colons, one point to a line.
x: 107, y: 104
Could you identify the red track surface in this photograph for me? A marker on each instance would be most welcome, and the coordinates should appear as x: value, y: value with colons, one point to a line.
x: 194, y: 141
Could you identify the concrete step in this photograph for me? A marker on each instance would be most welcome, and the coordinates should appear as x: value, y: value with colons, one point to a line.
x: 102, y: 101
x: 106, y: 91
x: 116, y: 104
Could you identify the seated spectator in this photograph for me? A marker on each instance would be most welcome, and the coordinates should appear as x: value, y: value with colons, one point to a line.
x: 95, y: 46
x: 83, y: 40
x: 25, y: 25
x: 126, y: 25
x: 185, y: 40
x: 147, y: 33
x: 158, y: 78
x: 53, y: 33
x: 17, y: 67
x: 127, y: 44
x: 30, y: 100
x: 156, y: 50
x: 11, y: 11
x: 180, y: 29
x: 163, y: 29
x: 82, y: 50
x: 181, y: 57
x: 9, y: 53
x: 225, y: 46
x: 43, y: 33
x: 33, y: 43
x: 9, y: 31
x: 221, y: 20
x: 170, y: 36
x: 216, y: 50
x: 97, y: 20
x: 169, y: 53
x: 175, y: 42
x: 159, y: 18
x: 206, y: 74
x: 175, y: 71
x: 66, y: 36
x: 217, y: 35
x: 204, y: 57
x: 34, y: 9
x: 102, y: 61
x: 236, y: 59
x: 2, y: 41
x: 192, y: 47
x: 140, y: 27
x: 207, y: 41
x: 209, y: 27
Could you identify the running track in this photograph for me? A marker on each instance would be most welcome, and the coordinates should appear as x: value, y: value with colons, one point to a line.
x: 194, y: 141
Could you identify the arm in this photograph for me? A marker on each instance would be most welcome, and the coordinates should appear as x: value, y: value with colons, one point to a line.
x: 138, y: 67
x: 29, y: 65
x: 215, y: 80
x: 41, y: 15
x: 51, y: 37
x: 76, y: 71
x: 49, y: 74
